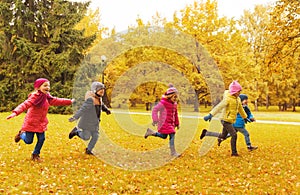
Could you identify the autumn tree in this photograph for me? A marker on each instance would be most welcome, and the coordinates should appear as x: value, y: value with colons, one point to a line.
x: 253, y: 26
x: 222, y: 39
x: 283, y: 51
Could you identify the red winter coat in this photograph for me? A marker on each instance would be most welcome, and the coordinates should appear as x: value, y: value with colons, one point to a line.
x: 36, y: 117
x: 165, y: 113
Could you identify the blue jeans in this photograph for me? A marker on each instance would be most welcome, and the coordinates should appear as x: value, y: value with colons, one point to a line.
x: 27, y: 137
x: 86, y: 135
x: 246, y: 135
x: 241, y: 130
x: 164, y: 136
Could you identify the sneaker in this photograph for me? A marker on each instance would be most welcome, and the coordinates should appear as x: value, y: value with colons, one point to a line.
x: 175, y: 154
x: 87, y: 151
x: 36, y: 157
x: 234, y: 154
x: 148, y: 133
x: 219, y: 141
x: 18, y: 136
x: 203, y: 133
x: 251, y: 148
x: 73, y: 133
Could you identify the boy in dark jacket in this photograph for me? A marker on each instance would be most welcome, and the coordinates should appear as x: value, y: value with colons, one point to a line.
x: 89, y: 114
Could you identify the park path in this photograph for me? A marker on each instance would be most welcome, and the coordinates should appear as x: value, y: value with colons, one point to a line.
x: 191, y: 116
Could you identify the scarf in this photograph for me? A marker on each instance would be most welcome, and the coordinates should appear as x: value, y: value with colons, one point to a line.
x: 41, y: 99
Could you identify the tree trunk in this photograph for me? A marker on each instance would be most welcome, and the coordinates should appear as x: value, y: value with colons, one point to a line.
x: 196, y: 101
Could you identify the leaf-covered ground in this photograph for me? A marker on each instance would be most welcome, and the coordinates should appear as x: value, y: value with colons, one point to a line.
x: 272, y: 169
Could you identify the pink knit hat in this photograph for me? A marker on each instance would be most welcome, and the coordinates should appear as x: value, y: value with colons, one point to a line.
x: 171, y: 90
x: 39, y: 82
x: 234, y: 87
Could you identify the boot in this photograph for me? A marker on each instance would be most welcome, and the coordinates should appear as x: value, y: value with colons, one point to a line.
x: 18, y: 136
x: 73, y: 133
x: 149, y: 132
x: 251, y: 148
x: 36, y: 157
x: 173, y: 152
x: 203, y: 133
x: 219, y: 141
x: 87, y: 151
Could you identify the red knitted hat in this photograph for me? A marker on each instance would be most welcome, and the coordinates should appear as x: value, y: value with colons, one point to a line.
x: 39, y: 82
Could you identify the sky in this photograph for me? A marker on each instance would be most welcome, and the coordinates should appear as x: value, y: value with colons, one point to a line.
x: 120, y: 14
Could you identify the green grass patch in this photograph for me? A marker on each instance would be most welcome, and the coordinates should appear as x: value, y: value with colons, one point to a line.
x: 272, y: 169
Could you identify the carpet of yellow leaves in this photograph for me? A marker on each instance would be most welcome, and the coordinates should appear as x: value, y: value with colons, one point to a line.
x: 272, y: 169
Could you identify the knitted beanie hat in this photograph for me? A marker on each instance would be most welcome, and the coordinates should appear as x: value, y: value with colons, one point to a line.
x: 39, y: 82
x: 234, y: 87
x: 171, y: 90
x: 96, y: 86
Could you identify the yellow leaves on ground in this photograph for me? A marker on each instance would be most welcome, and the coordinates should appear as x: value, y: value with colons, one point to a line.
x: 272, y: 169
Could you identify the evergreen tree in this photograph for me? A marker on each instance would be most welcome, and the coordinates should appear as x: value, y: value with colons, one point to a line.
x: 38, y: 39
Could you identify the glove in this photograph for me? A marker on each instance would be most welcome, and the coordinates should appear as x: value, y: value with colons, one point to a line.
x: 247, y: 120
x: 207, y: 117
x: 11, y: 115
x: 108, y: 112
x: 154, y: 123
x: 72, y: 119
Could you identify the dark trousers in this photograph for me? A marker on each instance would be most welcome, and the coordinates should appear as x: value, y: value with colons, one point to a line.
x: 228, y: 128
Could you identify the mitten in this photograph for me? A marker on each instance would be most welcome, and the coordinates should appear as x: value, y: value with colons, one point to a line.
x: 207, y: 117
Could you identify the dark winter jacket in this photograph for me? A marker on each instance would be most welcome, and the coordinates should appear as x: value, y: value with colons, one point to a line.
x: 90, y: 112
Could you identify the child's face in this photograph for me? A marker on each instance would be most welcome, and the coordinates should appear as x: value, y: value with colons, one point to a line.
x: 45, y: 87
x: 100, y: 92
x: 245, y: 102
x: 173, y: 98
x: 237, y: 94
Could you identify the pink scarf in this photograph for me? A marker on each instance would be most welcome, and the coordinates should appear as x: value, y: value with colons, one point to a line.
x: 41, y: 99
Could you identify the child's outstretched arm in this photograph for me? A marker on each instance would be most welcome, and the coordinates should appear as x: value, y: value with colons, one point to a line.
x: 11, y: 115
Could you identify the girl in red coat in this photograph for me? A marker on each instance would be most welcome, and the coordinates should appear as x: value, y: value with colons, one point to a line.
x: 36, y: 121
x: 165, y: 116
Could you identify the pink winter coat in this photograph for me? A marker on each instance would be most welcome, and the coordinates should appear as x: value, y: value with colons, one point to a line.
x: 36, y: 117
x: 165, y: 113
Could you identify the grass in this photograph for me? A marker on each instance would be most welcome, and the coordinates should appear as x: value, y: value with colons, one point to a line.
x: 272, y: 169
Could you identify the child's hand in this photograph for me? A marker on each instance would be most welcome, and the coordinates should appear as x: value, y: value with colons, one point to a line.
x: 11, y: 116
x: 252, y: 119
x: 72, y: 119
x: 177, y: 126
x: 73, y: 101
x: 108, y: 112
x: 207, y: 117
x: 154, y: 123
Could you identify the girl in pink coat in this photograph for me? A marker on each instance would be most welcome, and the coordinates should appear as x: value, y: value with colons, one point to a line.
x: 165, y: 116
x: 36, y: 121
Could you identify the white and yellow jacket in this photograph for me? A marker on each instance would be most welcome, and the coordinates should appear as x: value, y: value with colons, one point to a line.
x: 229, y: 107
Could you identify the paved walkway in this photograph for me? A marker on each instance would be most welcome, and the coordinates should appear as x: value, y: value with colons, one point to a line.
x: 190, y: 116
